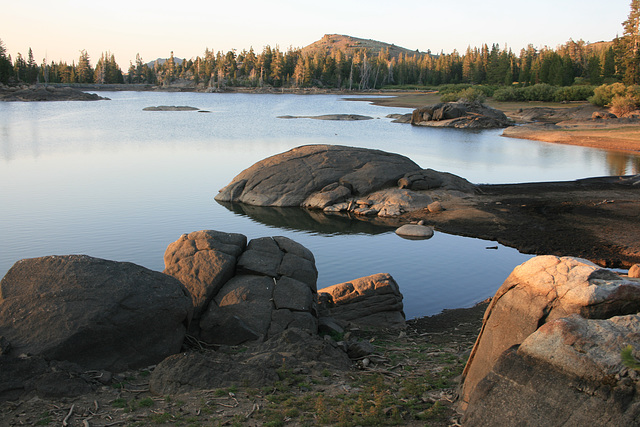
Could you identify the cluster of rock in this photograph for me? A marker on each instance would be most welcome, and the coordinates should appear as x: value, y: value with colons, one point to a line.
x: 46, y: 93
x: 461, y: 115
x: 550, y: 348
x: 335, y: 117
x: 337, y: 179
x: 171, y: 108
x: 62, y: 315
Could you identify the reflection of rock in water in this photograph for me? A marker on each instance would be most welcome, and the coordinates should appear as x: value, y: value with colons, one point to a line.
x: 309, y: 220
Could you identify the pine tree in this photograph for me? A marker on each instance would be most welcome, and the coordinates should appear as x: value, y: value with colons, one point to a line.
x: 630, y: 45
x: 84, y: 72
x: 5, y: 64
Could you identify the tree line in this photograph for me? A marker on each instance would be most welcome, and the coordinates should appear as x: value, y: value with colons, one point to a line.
x: 574, y: 63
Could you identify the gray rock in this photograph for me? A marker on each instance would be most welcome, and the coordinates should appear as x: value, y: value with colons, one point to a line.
x: 429, y: 179
x: 371, y: 302
x: 171, y: 108
x: 460, y: 114
x: 358, y: 349
x: 246, y: 298
x: 527, y: 391
x: 274, y: 288
x: 290, y: 178
x: 541, y: 290
x: 204, y: 261
x: 415, y: 231
x: 97, y: 313
x: 293, y: 295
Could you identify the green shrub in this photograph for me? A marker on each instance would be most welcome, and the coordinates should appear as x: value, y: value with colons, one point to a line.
x: 508, y: 94
x: 450, y: 97
x: 472, y: 94
x: 573, y: 93
x: 602, y: 95
x: 539, y: 92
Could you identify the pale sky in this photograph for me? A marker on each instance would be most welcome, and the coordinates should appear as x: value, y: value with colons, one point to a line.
x: 58, y: 30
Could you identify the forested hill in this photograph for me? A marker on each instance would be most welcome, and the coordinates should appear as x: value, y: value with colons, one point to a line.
x: 332, y: 43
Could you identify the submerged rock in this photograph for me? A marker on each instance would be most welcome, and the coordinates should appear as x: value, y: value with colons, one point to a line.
x: 171, y: 108
x: 338, y: 117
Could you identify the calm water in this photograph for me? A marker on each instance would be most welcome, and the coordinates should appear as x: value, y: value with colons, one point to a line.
x: 112, y: 181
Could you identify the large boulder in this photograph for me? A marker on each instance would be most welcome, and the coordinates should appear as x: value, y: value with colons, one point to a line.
x: 273, y: 288
x: 204, y: 261
x: 567, y: 373
x: 373, y: 302
x: 293, y: 178
x: 541, y: 290
x: 466, y: 115
x: 99, y: 314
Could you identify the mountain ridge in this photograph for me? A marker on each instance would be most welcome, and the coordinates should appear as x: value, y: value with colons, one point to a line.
x: 351, y: 45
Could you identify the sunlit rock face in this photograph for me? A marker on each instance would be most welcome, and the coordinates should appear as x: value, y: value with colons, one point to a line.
x: 535, y: 301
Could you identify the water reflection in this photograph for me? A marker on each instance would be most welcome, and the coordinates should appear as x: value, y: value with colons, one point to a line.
x: 314, y: 221
x: 622, y: 164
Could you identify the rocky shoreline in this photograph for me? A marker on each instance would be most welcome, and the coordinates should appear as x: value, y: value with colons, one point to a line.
x: 220, y: 293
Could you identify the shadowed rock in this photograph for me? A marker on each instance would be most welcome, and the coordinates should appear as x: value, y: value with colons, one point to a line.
x: 203, y: 261
x: 97, y: 313
x: 372, y: 301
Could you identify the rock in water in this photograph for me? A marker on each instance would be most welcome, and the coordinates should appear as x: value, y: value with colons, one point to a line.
x: 97, y: 313
x: 462, y: 115
x: 415, y: 231
x: 544, y: 289
x: 290, y: 178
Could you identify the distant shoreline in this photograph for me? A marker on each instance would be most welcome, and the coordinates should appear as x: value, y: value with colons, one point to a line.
x: 609, y: 134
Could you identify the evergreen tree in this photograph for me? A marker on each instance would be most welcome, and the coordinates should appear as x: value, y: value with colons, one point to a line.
x: 84, y: 72
x: 630, y: 44
x: 5, y: 64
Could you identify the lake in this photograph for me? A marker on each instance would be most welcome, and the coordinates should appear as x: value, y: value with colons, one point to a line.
x: 110, y: 180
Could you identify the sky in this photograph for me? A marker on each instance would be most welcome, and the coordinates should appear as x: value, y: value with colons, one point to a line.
x: 59, y: 30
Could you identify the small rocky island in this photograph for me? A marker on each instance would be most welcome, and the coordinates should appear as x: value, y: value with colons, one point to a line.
x: 336, y: 117
x: 460, y: 115
x: 46, y: 93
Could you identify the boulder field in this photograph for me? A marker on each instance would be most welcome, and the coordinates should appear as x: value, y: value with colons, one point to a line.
x: 64, y: 316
